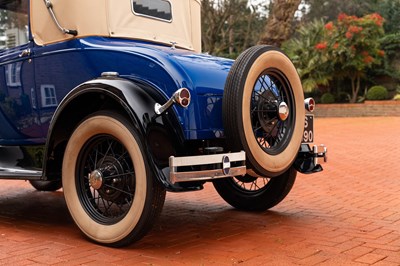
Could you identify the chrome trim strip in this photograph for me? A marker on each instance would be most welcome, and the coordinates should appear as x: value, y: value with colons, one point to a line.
x: 205, y: 159
x: 206, y: 175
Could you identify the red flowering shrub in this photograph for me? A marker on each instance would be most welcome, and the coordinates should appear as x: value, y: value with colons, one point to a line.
x: 351, y: 46
x: 329, y: 26
x: 335, y: 45
x: 349, y: 35
x: 321, y: 46
x: 376, y: 18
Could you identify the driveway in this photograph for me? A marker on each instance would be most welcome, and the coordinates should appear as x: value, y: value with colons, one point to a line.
x: 347, y: 215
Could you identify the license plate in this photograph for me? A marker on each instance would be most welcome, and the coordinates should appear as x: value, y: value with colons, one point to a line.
x: 308, y: 135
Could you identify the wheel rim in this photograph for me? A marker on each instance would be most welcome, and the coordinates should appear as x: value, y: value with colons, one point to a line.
x: 105, y: 179
x: 250, y: 185
x: 272, y: 111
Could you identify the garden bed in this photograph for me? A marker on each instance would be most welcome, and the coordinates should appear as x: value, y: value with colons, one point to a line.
x: 369, y: 108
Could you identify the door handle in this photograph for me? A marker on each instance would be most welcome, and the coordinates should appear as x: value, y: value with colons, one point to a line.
x: 26, y: 52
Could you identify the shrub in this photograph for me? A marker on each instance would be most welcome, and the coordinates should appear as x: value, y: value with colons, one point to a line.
x: 397, y: 97
x: 343, y: 97
x: 327, y: 98
x: 377, y: 93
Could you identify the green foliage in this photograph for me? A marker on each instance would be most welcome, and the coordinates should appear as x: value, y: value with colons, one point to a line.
x: 352, y: 43
x: 343, y: 97
x: 344, y: 49
x: 330, y: 9
x: 390, y: 10
x: 327, y: 98
x: 391, y: 43
x: 229, y: 26
x: 391, y: 46
x: 352, y: 46
x: 397, y: 97
x: 311, y: 65
x: 377, y: 93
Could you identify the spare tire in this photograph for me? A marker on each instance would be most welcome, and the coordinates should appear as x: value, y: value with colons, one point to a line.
x: 263, y: 110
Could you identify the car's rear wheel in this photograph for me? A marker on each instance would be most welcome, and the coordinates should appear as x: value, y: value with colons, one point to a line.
x: 52, y: 185
x: 251, y: 193
x: 263, y: 110
x: 109, y: 190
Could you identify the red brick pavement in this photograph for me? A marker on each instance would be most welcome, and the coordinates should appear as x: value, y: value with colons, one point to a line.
x: 347, y: 215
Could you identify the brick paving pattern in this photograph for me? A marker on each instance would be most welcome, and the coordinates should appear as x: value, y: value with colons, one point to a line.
x: 347, y: 215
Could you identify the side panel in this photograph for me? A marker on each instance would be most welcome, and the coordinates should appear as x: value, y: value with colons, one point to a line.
x: 19, y: 117
x: 61, y: 67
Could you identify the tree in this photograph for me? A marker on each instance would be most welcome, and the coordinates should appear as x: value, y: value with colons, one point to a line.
x: 352, y: 46
x: 328, y: 10
x: 280, y: 20
x: 310, y: 63
x: 390, y: 10
x: 229, y: 26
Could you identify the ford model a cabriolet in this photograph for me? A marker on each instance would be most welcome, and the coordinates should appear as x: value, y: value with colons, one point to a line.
x: 114, y: 103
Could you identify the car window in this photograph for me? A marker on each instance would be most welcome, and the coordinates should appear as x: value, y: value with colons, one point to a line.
x: 13, y: 23
x: 158, y: 9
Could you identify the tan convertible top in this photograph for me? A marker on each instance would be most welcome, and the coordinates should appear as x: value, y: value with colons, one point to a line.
x: 115, y: 18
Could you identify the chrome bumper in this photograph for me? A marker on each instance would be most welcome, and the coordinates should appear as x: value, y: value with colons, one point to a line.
x: 309, y: 158
x: 320, y: 151
x: 210, y: 167
x: 215, y: 166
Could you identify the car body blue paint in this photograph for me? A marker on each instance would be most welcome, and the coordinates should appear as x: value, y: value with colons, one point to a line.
x: 58, y: 68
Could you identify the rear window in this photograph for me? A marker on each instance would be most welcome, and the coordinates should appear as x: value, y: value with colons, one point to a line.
x: 157, y: 9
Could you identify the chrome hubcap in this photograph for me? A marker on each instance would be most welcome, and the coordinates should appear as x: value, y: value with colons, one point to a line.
x: 283, y: 111
x: 96, y: 179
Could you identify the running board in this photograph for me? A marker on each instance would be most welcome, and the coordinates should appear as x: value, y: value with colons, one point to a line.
x: 19, y: 174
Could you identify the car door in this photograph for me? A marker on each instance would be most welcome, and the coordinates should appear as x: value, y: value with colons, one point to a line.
x: 19, y: 120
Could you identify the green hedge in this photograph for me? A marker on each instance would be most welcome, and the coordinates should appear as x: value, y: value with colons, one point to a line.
x: 327, y: 98
x: 377, y: 93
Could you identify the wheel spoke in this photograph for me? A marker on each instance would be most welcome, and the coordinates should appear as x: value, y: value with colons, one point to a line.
x: 113, y: 196
x: 270, y: 87
x: 122, y: 174
x: 106, y: 153
x: 251, y: 184
x: 270, y: 90
x: 120, y: 190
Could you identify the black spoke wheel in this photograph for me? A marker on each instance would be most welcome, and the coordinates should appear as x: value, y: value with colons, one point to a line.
x: 108, y: 184
x: 272, y: 129
x: 263, y: 110
x: 109, y: 189
x: 251, y: 193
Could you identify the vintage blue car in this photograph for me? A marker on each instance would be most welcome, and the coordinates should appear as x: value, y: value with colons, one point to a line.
x: 116, y: 104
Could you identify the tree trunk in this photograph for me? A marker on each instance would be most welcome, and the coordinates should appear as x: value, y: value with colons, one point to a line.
x: 279, y: 24
x: 355, y: 87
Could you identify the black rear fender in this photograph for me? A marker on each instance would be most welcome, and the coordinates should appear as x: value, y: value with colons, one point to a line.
x: 162, y: 135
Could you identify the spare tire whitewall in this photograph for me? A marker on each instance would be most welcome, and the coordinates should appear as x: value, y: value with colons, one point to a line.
x: 241, y: 128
